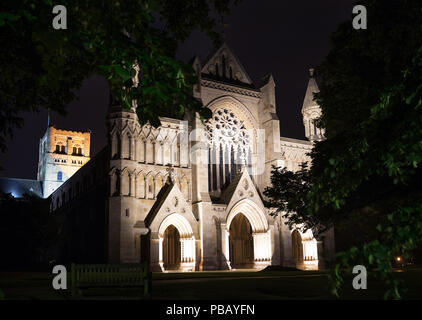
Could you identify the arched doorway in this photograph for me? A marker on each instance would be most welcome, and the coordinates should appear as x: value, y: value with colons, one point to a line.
x: 304, y: 250
x: 297, y: 248
x: 177, y: 244
x: 241, y: 242
x: 171, y: 248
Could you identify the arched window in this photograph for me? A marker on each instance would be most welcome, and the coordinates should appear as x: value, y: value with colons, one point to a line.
x: 59, y: 176
x: 214, y: 167
x: 150, y: 151
x: 226, y: 165
x: 233, y: 163
x: 141, y: 186
x: 232, y: 147
x: 221, y: 166
x: 57, y: 148
x: 210, y: 186
x: 79, y: 151
x: 63, y: 149
x: 127, y: 146
x: 150, y: 187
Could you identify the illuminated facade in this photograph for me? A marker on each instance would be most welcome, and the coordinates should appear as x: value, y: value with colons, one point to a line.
x: 189, y: 195
x: 61, y: 154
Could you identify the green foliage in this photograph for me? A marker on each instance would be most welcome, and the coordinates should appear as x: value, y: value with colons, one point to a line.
x: 42, y: 67
x: 369, y: 167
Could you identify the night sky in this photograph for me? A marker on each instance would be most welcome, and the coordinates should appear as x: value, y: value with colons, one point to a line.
x: 285, y: 38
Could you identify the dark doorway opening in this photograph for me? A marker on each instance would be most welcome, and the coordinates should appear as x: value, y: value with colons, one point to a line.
x: 241, y: 243
x: 171, y: 248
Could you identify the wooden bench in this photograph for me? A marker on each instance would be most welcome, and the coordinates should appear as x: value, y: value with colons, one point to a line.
x: 110, y: 275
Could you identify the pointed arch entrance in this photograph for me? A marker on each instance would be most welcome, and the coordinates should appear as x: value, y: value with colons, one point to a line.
x: 177, y: 249
x: 241, y: 243
x: 247, y: 236
x: 304, y: 250
x: 171, y: 248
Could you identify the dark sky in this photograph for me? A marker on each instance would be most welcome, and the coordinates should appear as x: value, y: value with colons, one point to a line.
x: 285, y: 38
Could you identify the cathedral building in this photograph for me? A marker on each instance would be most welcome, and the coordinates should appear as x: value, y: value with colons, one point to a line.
x: 61, y: 154
x: 187, y: 195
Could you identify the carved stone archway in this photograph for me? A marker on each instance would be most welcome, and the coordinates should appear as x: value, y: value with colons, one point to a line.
x: 261, y: 233
x: 185, y: 248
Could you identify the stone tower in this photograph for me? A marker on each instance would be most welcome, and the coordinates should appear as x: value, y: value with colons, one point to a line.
x: 61, y: 154
x: 311, y: 111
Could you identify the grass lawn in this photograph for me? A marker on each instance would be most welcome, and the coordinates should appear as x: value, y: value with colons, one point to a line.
x: 252, y: 285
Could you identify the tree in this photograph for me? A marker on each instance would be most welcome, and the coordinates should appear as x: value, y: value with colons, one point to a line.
x: 369, y: 167
x: 42, y: 67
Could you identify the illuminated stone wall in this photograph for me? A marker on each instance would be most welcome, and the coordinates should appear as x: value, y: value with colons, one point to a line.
x: 198, y: 177
x: 61, y: 154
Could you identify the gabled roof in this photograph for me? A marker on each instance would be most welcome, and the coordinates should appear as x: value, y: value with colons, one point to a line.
x: 161, y: 198
x: 169, y: 200
x: 311, y: 89
x: 227, y: 194
x: 243, y: 184
x: 266, y: 79
x: 239, y: 73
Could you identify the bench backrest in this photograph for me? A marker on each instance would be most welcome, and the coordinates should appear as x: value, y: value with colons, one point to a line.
x: 122, y: 274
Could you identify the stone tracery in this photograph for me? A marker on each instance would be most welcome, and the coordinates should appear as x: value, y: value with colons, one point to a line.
x: 229, y: 147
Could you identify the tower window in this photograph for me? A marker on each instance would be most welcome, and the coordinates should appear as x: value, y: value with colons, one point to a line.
x: 57, y: 148
x: 63, y: 149
x: 74, y: 150
x: 59, y: 176
x: 80, y: 151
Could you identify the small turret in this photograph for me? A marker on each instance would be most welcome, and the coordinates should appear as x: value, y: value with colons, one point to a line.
x: 311, y: 111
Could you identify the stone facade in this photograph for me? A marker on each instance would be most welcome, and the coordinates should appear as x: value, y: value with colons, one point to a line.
x: 188, y: 195
x: 61, y: 154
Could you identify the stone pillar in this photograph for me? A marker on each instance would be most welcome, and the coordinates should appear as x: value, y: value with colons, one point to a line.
x: 225, y: 257
x: 286, y: 245
x: 156, y: 254
x: 262, y: 248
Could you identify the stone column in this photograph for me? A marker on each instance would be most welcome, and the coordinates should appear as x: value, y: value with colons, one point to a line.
x: 262, y: 248
x: 225, y: 257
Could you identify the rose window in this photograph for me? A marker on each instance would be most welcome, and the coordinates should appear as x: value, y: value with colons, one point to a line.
x: 225, y: 126
x: 229, y: 148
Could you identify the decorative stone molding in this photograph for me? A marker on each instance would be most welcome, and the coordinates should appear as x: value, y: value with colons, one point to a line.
x: 229, y: 88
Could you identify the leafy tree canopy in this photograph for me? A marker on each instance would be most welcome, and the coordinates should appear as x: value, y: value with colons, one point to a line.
x: 368, y: 170
x: 42, y: 67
